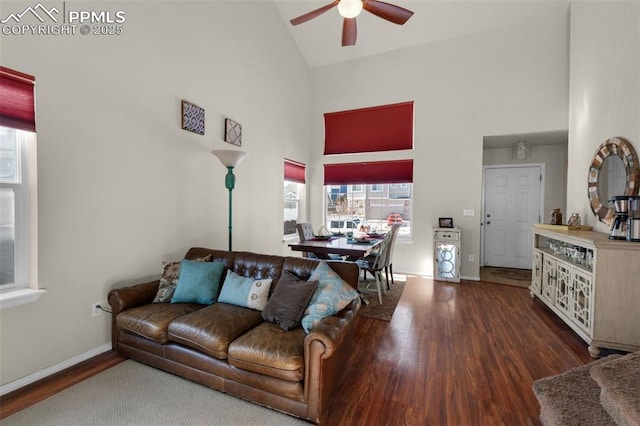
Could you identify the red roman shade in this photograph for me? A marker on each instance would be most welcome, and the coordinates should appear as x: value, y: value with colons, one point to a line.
x: 396, y: 171
x: 17, y: 106
x: 294, y: 172
x: 380, y: 128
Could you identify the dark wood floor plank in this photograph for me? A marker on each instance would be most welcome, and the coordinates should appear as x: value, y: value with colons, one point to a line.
x: 458, y: 354
x: 453, y: 354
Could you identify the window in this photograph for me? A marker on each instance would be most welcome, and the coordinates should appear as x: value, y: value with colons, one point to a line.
x: 379, y: 207
x: 384, y: 199
x: 18, y: 198
x: 294, y: 190
x: 15, y: 147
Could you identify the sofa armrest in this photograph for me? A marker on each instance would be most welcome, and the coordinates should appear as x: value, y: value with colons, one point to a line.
x: 121, y: 299
x: 326, y: 351
x: 332, y: 330
x: 125, y: 298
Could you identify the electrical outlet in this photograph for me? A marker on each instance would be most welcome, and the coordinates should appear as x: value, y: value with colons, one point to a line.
x: 471, y: 258
x: 95, y: 310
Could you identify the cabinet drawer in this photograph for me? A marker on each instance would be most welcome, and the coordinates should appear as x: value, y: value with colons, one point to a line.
x: 446, y: 236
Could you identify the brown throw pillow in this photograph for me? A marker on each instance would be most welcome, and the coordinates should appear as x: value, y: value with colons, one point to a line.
x: 169, y: 279
x: 289, y: 301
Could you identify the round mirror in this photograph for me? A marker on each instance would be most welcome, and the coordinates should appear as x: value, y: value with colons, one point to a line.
x: 612, y: 179
x: 613, y: 171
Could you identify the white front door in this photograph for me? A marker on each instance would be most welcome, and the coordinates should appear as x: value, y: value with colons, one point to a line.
x: 512, y: 207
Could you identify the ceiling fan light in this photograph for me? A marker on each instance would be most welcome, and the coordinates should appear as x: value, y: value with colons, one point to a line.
x: 350, y: 8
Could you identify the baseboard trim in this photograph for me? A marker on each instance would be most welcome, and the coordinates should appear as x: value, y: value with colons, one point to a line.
x: 39, y: 375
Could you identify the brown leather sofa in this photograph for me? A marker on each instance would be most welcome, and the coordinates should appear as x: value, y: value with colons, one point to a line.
x: 289, y: 371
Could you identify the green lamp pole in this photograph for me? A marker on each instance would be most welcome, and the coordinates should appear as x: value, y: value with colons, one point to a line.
x: 230, y: 159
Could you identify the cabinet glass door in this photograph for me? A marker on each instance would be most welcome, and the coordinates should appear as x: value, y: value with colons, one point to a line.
x: 582, y: 300
x: 548, y: 279
x: 446, y: 257
x: 563, y: 285
x: 536, y: 272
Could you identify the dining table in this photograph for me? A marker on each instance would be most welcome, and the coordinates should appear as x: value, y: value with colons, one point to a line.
x: 351, y: 249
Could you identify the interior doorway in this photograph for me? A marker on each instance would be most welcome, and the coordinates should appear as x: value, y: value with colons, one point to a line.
x: 512, y: 203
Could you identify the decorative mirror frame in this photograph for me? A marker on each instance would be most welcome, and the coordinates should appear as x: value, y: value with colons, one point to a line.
x: 623, y: 149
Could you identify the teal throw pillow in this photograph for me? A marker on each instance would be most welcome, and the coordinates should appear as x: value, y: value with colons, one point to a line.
x: 331, y: 296
x: 169, y: 279
x: 199, y: 282
x: 245, y: 291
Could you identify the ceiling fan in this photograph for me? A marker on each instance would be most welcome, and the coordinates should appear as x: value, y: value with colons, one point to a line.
x: 349, y: 9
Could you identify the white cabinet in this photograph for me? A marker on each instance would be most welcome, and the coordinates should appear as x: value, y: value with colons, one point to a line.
x: 446, y: 254
x: 592, y: 283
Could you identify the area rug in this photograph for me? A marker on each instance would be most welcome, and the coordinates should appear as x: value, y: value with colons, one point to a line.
x: 506, y: 276
x: 133, y: 394
x: 389, y: 301
x: 572, y: 398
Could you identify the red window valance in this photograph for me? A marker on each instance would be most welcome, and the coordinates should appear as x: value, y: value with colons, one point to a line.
x: 294, y: 172
x: 380, y: 128
x: 17, y: 106
x: 395, y: 171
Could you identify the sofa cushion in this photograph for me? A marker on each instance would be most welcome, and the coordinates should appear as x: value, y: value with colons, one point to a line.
x: 289, y: 301
x: 169, y: 279
x: 270, y: 350
x: 211, y: 329
x: 331, y: 296
x: 199, y: 282
x: 245, y: 291
x: 152, y: 320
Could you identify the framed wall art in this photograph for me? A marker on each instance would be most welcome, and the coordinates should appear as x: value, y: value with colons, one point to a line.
x: 192, y: 117
x: 445, y: 222
x: 232, y: 132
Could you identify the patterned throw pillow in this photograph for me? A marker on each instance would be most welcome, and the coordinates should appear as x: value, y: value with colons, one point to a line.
x: 169, y: 279
x: 245, y: 291
x: 331, y: 296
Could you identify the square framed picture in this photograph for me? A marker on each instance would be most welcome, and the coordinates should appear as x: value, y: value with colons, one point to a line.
x: 192, y: 117
x: 232, y: 132
x: 445, y: 222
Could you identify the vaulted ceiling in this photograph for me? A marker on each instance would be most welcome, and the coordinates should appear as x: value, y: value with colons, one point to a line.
x: 319, y: 40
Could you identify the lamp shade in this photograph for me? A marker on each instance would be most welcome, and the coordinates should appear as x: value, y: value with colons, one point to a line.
x: 229, y: 157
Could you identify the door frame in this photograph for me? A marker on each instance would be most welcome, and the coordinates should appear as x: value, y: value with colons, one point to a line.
x: 482, y: 207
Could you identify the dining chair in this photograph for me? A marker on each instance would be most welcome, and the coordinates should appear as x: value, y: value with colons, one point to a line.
x: 305, y: 232
x: 376, y: 264
x: 388, y: 269
x: 388, y: 261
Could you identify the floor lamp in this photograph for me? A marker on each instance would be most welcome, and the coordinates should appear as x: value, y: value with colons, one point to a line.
x: 230, y: 159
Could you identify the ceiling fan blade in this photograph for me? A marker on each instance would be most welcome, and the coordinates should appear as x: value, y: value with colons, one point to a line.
x: 314, y: 13
x: 349, y: 32
x: 390, y: 12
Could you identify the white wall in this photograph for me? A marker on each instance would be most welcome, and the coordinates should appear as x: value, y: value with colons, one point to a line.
x: 506, y: 81
x: 554, y: 157
x: 604, y: 90
x: 121, y: 186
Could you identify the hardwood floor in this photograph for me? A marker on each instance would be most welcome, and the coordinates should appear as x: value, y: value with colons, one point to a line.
x: 453, y: 354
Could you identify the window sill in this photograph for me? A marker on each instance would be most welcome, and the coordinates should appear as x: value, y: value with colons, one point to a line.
x: 19, y: 297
